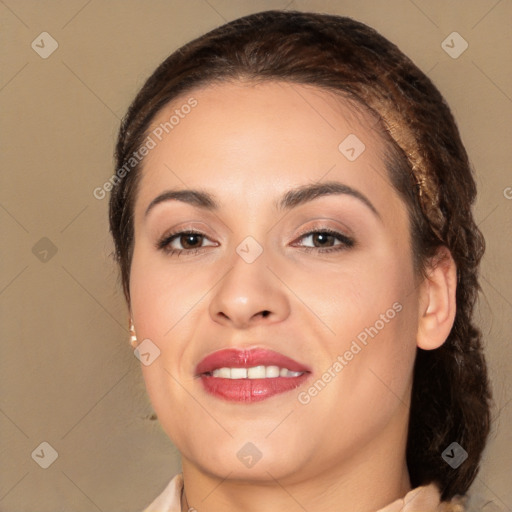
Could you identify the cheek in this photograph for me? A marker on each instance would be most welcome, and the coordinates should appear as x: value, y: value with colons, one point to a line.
x: 163, y: 297
x: 166, y: 305
x: 382, y: 320
x: 168, y: 302
x: 362, y: 289
x: 370, y: 306
x: 369, y: 367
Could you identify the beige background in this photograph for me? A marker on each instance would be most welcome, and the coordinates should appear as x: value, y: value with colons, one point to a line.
x: 67, y: 373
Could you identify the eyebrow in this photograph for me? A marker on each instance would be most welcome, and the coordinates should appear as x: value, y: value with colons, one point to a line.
x: 291, y: 199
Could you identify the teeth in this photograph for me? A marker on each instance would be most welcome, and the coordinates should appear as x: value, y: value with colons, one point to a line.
x: 255, y: 372
x: 293, y: 374
x: 239, y: 373
x: 223, y: 372
x: 272, y: 371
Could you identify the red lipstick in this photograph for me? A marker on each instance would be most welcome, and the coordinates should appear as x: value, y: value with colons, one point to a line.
x: 247, y: 389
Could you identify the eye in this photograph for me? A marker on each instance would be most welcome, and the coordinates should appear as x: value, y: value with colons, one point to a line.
x: 325, y: 240
x: 190, y: 242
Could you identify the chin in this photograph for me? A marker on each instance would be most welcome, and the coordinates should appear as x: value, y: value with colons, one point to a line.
x: 248, y: 460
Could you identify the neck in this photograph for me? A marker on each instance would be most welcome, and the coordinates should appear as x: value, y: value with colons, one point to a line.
x: 365, y: 482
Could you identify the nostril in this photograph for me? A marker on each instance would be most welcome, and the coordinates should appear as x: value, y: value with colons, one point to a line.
x: 265, y: 313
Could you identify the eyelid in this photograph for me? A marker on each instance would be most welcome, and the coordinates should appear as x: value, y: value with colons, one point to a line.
x: 191, y: 226
x: 322, y: 229
x: 325, y: 224
x: 345, y: 240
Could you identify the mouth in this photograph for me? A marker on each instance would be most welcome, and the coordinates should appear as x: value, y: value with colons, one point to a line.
x: 250, y: 375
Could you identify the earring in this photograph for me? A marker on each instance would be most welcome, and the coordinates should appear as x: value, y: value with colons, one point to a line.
x: 133, y: 337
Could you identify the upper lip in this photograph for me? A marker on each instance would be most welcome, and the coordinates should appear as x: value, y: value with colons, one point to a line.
x: 247, y: 358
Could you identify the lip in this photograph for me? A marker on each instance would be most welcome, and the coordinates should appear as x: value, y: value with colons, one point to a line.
x: 249, y: 390
x: 236, y: 358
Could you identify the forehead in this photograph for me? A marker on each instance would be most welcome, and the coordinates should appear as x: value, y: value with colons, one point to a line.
x: 240, y: 138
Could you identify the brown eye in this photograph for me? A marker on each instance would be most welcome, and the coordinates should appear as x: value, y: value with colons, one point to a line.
x: 191, y: 240
x: 184, y: 242
x: 324, y: 241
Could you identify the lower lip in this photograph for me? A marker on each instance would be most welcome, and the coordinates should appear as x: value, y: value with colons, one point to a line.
x: 250, y: 390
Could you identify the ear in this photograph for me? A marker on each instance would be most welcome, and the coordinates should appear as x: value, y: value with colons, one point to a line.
x: 437, y: 301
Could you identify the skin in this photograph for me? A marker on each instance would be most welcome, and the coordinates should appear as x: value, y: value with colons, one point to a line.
x: 248, y: 145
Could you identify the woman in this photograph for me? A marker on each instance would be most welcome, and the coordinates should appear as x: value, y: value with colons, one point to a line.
x: 292, y: 220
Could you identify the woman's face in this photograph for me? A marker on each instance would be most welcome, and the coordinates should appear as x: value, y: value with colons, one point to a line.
x: 302, y: 249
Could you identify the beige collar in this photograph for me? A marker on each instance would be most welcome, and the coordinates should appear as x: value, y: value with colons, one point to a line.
x: 421, y: 499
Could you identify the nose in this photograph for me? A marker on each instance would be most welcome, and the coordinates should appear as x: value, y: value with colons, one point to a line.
x: 249, y: 295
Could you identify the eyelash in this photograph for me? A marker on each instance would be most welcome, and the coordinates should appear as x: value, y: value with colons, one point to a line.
x: 346, y: 242
x: 164, y: 243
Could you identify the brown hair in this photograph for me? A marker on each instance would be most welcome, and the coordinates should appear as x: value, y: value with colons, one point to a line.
x: 428, y: 166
